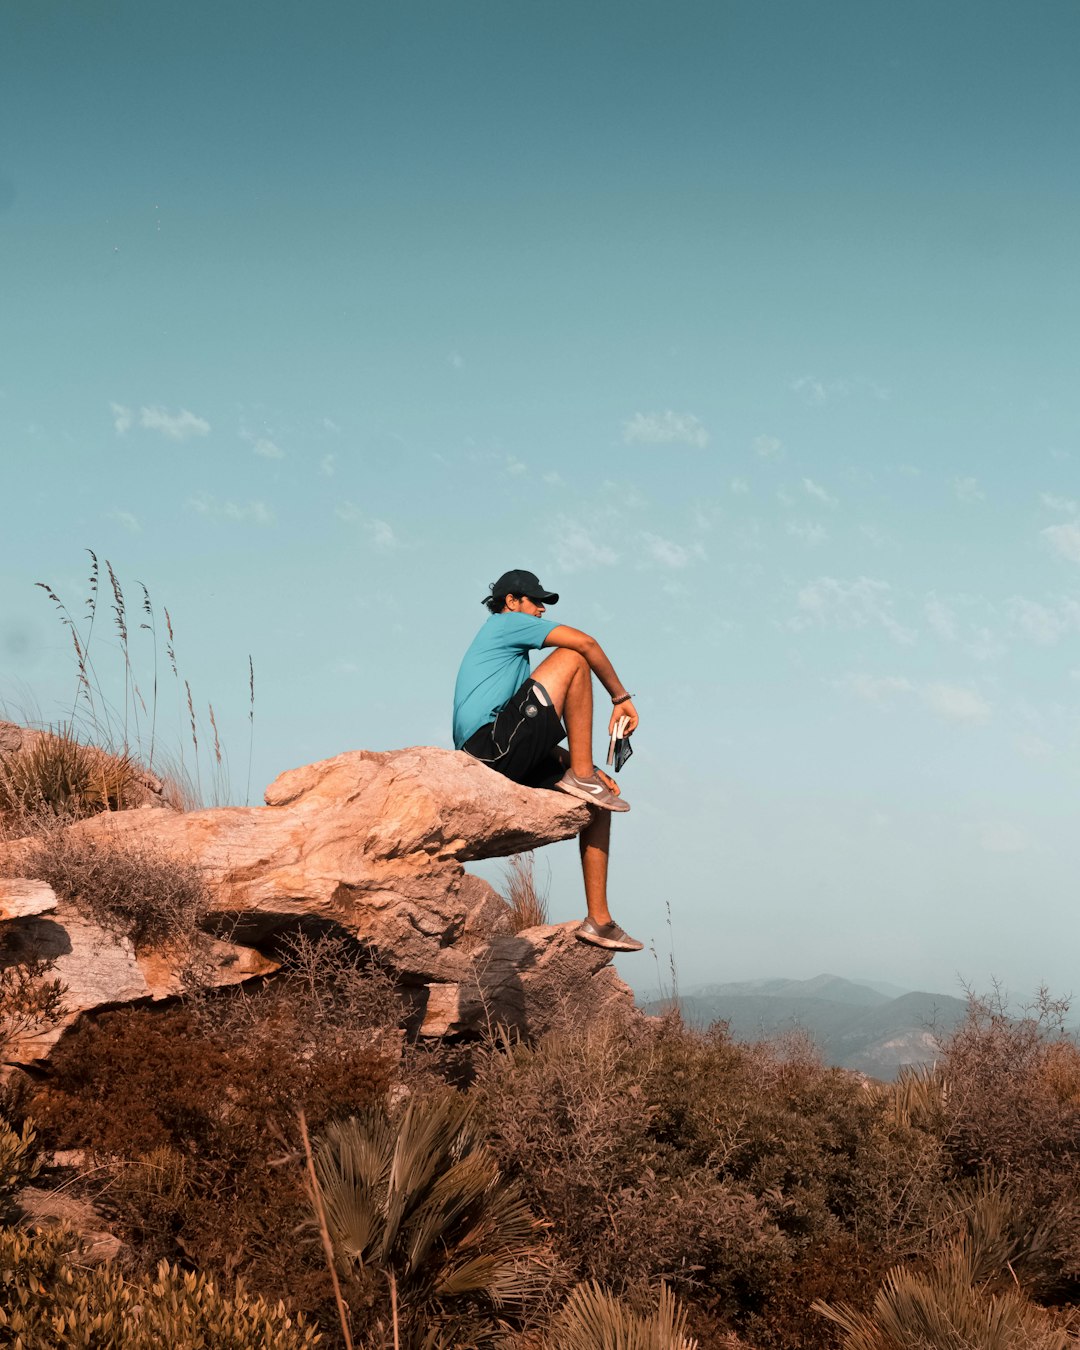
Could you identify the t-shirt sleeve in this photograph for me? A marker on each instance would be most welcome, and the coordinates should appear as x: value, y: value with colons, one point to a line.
x: 527, y: 632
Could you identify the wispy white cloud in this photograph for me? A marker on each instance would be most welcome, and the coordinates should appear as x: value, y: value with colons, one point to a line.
x: 123, y: 418
x: 667, y: 428
x: 328, y: 466
x: 941, y: 618
x: 862, y: 603
x: 330, y: 425
x: 125, y: 518
x: 1001, y: 836
x: 267, y: 449
x: 813, y: 390
x: 382, y: 536
x: 956, y: 703
x: 767, y: 447
x: 952, y: 702
x: 968, y: 490
x: 380, y: 533
x: 554, y: 479
x: 1053, y: 502
x: 739, y: 486
x: 1044, y: 624
x: 456, y: 360
x: 816, y: 491
x: 176, y: 426
x: 254, y: 513
x: 668, y: 553
x: 1064, y: 539
x: 576, y: 549
x: 809, y: 531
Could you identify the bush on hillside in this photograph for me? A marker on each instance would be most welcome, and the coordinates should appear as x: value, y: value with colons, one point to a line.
x: 132, y: 889
x: 1013, y: 1109
x: 194, y: 1128
x: 48, y: 1300
x: 751, y: 1182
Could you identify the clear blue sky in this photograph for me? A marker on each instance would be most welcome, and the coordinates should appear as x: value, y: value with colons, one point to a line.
x: 751, y: 327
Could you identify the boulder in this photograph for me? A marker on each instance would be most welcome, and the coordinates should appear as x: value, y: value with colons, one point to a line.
x: 20, y: 897
x: 99, y: 969
x: 52, y: 1209
x: 373, y: 845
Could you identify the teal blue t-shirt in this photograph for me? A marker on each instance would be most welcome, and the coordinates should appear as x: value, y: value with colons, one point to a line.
x: 494, y: 668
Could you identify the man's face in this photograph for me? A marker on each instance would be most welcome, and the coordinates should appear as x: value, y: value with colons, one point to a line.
x: 522, y: 604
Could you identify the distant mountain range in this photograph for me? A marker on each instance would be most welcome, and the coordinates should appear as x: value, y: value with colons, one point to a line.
x: 874, y: 1028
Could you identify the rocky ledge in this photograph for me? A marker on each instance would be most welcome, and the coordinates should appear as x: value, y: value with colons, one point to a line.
x: 372, y: 845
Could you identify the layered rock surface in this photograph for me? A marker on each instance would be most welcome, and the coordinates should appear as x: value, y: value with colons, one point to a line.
x: 370, y: 844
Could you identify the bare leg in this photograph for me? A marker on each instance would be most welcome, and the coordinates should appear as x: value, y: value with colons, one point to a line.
x: 567, y: 678
x: 595, y: 842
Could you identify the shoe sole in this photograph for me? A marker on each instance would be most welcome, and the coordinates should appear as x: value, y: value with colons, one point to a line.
x: 619, y: 807
x: 609, y: 944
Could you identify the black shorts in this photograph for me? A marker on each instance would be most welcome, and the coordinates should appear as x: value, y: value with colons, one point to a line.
x: 519, y: 743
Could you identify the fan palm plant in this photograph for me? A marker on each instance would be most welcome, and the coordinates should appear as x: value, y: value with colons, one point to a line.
x: 944, y: 1309
x: 972, y: 1299
x: 422, y: 1202
x: 592, y: 1319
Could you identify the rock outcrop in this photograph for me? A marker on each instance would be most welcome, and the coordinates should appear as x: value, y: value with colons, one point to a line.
x: 369, y: 844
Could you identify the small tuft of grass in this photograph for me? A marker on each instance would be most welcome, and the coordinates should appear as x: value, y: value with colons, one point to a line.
x: 55, y: 775
x: 528, y: 903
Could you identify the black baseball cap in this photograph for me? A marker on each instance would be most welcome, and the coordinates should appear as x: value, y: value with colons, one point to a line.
x: 520, y: 582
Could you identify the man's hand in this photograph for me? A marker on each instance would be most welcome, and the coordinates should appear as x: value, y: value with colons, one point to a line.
x: 620, y: 710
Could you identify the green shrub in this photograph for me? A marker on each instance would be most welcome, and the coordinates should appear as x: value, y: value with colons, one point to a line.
x: 1013, y: 1109
x: 31, y: 998
x: 47, y: 1302
x: 946, y: 1310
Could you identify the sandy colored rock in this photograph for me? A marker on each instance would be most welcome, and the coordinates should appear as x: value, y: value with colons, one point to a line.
x: 373, y: 842
x: 372, y: 845
x: 50, y: 1209
x: 528, y: 982
x: 100, y: 969
x: 20, y: 897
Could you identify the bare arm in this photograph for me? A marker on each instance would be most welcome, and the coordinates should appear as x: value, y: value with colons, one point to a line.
x: 576, y: 641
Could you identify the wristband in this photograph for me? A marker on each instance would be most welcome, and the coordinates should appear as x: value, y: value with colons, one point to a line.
x: 624, y: 699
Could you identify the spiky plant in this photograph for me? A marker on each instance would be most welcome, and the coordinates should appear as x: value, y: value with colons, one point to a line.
x: 420, y: 1203
x: 946, y: 1311
x: 593, y: 1319
x: 973, y: 1299
x: 56, y: 775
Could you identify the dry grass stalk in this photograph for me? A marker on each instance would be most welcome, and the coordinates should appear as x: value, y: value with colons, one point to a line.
x: 528, y: 904
x: 328, y: 1247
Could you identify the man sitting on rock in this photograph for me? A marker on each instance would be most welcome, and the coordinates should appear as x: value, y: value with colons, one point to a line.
x: 513, y: 721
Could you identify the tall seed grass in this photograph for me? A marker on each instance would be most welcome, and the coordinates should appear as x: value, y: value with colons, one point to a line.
x: 109, y: 707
